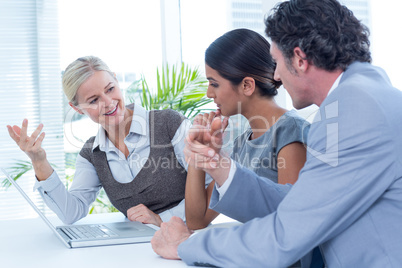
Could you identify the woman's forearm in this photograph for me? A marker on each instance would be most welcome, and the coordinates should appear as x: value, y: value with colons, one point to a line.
x: 197, y: 200
x: 43, y: 169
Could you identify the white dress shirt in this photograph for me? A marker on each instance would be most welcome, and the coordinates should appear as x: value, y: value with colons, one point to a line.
x: 74, y: 204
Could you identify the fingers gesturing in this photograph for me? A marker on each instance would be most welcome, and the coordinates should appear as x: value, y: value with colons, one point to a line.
x: 31, y: 145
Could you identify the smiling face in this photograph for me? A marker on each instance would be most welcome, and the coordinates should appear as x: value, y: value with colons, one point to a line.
x: 225, y: 95
x: 100, y: 98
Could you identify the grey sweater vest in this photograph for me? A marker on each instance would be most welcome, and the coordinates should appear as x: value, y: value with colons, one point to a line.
x: 160, y: 184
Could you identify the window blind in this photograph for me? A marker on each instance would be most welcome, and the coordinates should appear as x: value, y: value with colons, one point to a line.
x: 30, y: 87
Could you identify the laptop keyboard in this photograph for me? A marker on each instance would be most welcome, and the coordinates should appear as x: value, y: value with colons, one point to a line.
x: 88, y: 231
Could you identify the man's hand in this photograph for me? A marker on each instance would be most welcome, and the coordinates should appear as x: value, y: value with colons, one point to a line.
x: 166, y: 241
x: 143, y: 214
x: 203, y: 145
x: 205, y: 139
x: 208, y: 128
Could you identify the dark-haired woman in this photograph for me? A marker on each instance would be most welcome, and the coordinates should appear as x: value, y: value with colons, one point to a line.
x: 240, y: 72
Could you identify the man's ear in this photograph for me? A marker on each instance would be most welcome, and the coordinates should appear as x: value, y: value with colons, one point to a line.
x: 300, y: 60
x: 248, y: 86
x: 78, y: 110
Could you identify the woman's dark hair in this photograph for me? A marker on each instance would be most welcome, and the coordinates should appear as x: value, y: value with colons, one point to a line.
x: 243, y: 53
x: 327, y: 32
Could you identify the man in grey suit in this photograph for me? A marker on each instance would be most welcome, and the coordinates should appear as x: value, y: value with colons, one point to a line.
x: 348, y: 198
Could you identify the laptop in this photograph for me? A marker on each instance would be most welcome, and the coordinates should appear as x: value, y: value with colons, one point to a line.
x: 90, y: 235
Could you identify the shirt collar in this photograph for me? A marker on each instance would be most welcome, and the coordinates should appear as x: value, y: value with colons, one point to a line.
x: 336, y: 83
x: 139, y: 125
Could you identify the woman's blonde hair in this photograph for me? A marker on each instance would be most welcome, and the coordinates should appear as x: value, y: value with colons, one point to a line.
x: 78, y: 72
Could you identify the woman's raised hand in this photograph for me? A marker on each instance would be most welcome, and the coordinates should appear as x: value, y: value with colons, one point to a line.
x: 207, y: 118
x: 209, y: 128
x: 31, y: 145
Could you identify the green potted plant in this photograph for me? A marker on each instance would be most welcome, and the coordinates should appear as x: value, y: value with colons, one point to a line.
x: 178, y: 87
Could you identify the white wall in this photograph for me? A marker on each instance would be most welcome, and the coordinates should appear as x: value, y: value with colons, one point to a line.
x: 387, y: 38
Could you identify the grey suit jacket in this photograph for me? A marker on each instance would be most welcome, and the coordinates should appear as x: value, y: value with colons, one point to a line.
x: 348, y: 199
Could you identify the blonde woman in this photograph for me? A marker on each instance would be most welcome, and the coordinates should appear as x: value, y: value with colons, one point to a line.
x: 136, y: 155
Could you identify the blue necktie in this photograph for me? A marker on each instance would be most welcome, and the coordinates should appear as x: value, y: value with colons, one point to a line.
x: 316, y: 260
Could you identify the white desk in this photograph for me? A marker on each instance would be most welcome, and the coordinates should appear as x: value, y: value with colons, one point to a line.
x: 30, y: 243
